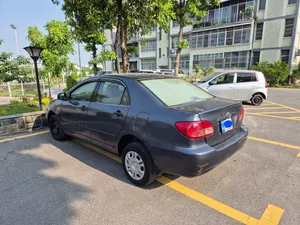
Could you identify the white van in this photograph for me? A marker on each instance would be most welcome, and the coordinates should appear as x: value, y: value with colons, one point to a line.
x: 242, y: 85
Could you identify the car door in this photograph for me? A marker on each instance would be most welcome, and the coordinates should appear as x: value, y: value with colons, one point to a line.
x: 245, y: 85
x: 107, y: 113
x: 74, y: 109
x: 222, y: 85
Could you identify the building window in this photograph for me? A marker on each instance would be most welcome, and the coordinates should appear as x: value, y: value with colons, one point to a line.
x: 289, y: 24
x: 148, y: 64
x: 160, y: 33
x: 175, y: 40
x: 292, y: 2
x: 159, y: 52
x: 152, y: 29
x: 150, y: 46
x: 221, y: 37
x: 256, y: 57
x: 262, y: 4
x: 236, y: 59
x: 259, y: 31
x: 184, y: 62
x: 168, y: 52
x: 285, y: 55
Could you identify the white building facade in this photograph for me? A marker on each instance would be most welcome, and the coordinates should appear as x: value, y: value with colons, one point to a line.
x: 236, y: 34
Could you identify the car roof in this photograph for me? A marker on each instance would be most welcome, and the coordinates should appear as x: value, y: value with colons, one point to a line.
x: 237, y: 71
x: 134, y: 76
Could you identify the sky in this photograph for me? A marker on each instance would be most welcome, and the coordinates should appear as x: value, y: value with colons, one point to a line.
x: 25, y: 13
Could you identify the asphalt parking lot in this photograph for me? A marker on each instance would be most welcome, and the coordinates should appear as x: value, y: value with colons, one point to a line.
x: 43, y: 181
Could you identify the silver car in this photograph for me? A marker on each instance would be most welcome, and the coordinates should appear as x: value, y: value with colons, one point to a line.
x: 242, y: 85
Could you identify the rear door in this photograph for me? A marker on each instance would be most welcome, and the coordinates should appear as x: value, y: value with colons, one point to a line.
x: 73, y: 110
x: 223, y: 86
x: 245, y: 85
x: 107, y: 113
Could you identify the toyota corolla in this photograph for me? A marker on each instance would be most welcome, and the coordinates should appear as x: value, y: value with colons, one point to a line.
x: 157, y: 124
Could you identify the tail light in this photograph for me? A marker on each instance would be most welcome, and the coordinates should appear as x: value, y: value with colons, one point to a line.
x: 195, y: 130
x: 241, y: 115
x: 266, y: 83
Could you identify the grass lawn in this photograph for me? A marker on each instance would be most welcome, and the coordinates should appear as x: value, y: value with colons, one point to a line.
x: 15, y: 109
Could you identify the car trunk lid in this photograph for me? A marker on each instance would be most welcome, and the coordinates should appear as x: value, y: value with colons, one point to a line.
x: 216, y: 111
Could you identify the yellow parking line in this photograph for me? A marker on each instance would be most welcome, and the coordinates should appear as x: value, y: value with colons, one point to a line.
x: 212, y: 203
x: 271, y: 215
x: 298, y: 154
x: 274, y: 143
x: 284, y: 106
x: 23, y: 136
x: 248, y: 108
x: 285, y: 112
x: 278, y: 117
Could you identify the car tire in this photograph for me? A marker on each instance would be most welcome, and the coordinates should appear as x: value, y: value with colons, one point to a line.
x: 257, y: 99
x: 138, y: 164
x: 56, y: 129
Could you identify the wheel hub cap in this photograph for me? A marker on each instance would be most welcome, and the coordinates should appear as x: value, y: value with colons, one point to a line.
x: 134, y: 165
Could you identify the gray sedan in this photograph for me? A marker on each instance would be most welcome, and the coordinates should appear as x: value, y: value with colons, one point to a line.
x: 158, y: 124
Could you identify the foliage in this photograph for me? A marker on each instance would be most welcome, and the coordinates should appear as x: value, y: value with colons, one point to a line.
x: 16, y: 109
x: 17, y: 68
x: 207, y: 70
x: 275, y: 73
x: 102, y: 57
x: 70, y: 83
x: 131, y: 49
x: 296, y: 72
x: 184, y: 11
x: 57, y: 44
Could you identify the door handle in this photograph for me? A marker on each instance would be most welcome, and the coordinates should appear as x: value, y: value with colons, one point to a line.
x: 118, y: 113
x: 83, y: 108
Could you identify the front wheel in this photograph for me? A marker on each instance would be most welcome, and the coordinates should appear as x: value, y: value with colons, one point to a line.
x: 56, y: 129
x: 257, y: 99
x: 138, y: 164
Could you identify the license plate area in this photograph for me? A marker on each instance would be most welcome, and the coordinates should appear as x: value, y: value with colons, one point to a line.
x: 226, y: 125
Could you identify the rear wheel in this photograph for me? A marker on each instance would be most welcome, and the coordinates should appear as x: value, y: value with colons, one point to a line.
x: 56, y: 129
x: 138, y: 164
x: 257, y: 99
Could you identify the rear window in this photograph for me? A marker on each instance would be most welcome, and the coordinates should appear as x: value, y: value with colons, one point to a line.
x: 175, y: 91
x: 246, y: 77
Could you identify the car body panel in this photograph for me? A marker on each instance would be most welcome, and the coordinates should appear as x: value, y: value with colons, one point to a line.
x: 152, y: 122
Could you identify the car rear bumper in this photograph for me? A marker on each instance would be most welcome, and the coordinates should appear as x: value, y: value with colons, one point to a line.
x: 191, y: 162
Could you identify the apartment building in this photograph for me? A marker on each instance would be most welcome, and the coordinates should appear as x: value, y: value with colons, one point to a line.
x: 236, y: 34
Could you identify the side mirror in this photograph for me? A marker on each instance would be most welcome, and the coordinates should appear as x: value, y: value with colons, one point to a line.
x: 62, y: 96
x: 213, y: 82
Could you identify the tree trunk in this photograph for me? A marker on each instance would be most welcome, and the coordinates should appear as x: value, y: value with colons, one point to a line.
x: 125, y: 58
x: 116, y: 44
x: 178, y: 51
x: 94, y: 50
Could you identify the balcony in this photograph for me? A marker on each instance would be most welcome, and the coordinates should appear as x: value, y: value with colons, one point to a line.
x: 233, y: 18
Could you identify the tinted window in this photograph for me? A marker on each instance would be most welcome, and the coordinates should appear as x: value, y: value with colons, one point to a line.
x: 175, y: 91
x: 246, y: 77
x: 110, y: 93
x: 84, y: 92
x: 225, y: 78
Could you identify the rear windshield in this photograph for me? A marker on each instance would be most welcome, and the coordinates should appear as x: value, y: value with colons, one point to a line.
x: 176, y: 91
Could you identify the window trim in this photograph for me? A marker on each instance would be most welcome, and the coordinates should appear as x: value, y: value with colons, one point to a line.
x: 117, y: 81
x: 237, y: 73
x: 80, y: 85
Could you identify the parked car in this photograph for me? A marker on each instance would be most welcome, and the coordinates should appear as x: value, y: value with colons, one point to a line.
x: 105, y: 72
x: 242, y: 85
x: 171, y: 72
x: 158, y: 124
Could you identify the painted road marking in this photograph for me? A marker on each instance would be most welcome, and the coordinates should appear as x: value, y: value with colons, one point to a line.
x: 285, y: 112
x: 274, y: 211
x: 212, y: 203
x: 24, y: 136
x: 270, y: 116
x: 275, y: 143
x: 248, y: 108
x: 284, y: 106
x: 298, y: 154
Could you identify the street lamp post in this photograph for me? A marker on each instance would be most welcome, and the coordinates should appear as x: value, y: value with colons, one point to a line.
x: 16, y: 37
x: 34, y: 53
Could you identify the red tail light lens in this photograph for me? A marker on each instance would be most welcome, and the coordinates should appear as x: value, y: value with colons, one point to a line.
x: 241, y: 115
x: 195, y: 130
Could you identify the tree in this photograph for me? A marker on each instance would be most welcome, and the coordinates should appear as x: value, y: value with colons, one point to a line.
x: 275, y: 73
x: 14, y: 68
x: 207, y: 70
x: 102, y: 57
x: 57, y: 44
x: 184, y: 11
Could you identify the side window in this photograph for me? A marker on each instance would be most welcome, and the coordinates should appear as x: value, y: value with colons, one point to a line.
x: 110, y: 93
x: 246, y: 77
x: 84, y: 92
x: 181, y: 72
x: 225, y: 78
